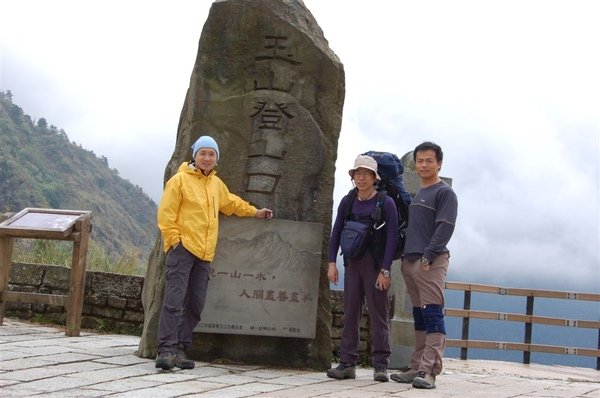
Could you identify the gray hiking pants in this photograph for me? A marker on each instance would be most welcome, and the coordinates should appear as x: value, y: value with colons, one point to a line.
x: 186, y: 282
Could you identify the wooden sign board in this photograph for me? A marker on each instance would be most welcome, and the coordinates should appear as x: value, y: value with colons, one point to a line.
x: 31, y: 223
x: 41, y: 223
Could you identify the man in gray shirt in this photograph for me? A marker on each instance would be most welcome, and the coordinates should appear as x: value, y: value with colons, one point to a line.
x: 431, y: 220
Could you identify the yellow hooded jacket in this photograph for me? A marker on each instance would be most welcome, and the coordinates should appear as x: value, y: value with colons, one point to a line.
x: 189, y: 210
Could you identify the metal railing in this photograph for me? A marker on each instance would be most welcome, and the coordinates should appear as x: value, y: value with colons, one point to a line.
x: 528, y: 319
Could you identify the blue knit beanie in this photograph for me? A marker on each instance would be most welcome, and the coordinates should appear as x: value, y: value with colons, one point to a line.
x: 205, y: 142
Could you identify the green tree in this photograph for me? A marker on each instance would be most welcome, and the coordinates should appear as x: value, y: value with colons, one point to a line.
x: 6, y: 94
x: 16, y: 113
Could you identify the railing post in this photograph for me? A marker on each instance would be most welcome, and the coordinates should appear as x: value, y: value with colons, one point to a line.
x: 598, y: 358
x: 528, y: 329
x: 6, y: 248
x: 465, y: 324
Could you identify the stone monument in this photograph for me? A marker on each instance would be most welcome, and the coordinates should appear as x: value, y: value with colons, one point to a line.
x: 267, y: 87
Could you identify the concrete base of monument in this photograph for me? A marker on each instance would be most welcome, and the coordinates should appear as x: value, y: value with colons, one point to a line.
x: 402, y: 341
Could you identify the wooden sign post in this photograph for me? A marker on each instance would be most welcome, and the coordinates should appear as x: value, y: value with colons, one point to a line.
x: 52, y: 224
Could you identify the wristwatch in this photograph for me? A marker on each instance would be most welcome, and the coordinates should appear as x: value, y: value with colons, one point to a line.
x: 385, y: 272
x: 424, y: 261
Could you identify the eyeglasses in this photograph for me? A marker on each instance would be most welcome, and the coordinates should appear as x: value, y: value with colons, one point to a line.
x: 362, y: 173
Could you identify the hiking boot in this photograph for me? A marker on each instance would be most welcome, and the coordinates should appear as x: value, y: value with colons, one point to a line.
x: 165, y: 360
x: 424, y: 380
x: 181, y: 361
x: 406, y: 375
x: 380, y: 374
x: 343, y: 371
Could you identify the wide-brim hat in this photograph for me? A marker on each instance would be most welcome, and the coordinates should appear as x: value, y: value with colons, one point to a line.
x: 364, y: 162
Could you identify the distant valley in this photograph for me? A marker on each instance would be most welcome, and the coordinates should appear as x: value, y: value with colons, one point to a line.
x: 40, y: 167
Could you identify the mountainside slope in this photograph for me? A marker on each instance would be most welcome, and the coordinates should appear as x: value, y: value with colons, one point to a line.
x: 40, y: 167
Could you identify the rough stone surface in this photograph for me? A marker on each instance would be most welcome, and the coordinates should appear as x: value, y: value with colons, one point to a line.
x: 28, y: 274
x: 105, y: 285
x: 103, y: 307
x: 267, y: 87
x: 408, y: 162
x: 56, y: 279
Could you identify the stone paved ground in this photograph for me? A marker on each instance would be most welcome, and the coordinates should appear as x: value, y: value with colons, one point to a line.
x: 41, y: 361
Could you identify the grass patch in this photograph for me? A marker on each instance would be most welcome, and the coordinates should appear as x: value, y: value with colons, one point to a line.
x: 39, y: 251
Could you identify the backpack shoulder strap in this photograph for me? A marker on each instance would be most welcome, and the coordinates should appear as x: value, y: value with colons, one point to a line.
x: 378, y: 212
x: 351, y: 196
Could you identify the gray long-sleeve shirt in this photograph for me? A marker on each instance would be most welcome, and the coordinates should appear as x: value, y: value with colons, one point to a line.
x: 431, y: 219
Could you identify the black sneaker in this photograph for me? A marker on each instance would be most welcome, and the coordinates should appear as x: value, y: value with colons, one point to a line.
x: 343, y: 371
x: 165, y: 361
x: 380, y: 374
x: 182, y: 362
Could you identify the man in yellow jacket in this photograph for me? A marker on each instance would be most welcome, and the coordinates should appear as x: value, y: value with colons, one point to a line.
x: 188, y: 219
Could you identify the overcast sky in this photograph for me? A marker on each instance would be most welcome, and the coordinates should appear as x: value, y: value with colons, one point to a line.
x: 509, y: 89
